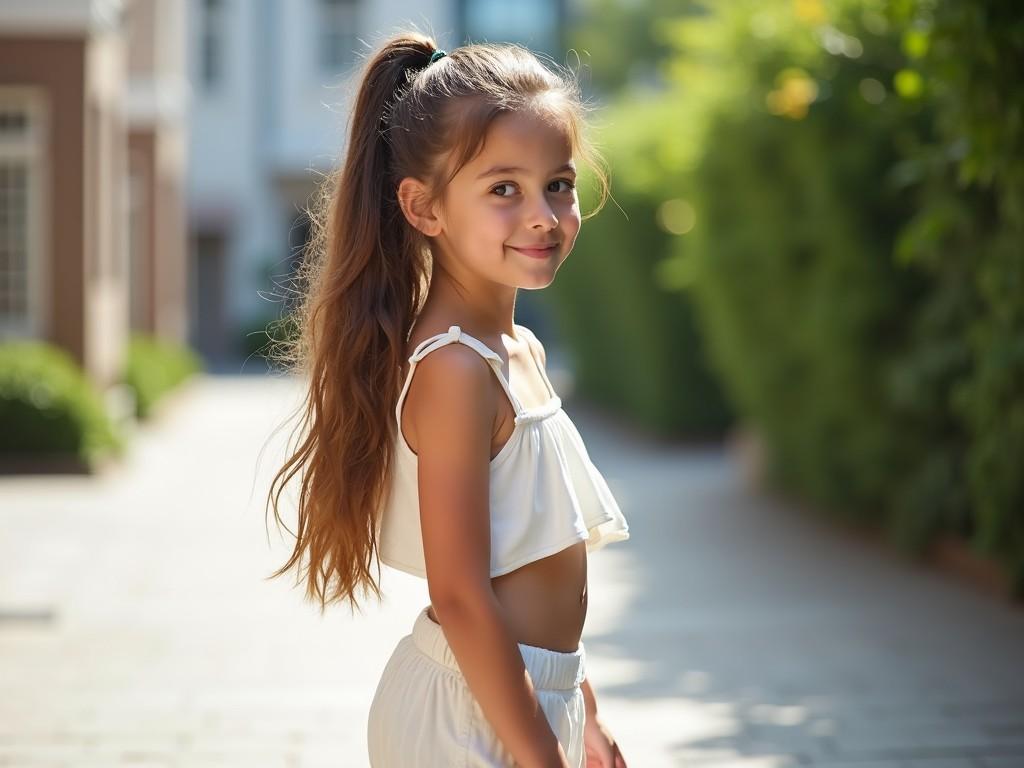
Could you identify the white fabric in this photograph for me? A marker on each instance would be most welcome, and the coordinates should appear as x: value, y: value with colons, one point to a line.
x: 423, y: 714
x: 545, y: 492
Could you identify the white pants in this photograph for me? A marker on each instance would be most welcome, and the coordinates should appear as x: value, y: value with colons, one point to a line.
x: 424, y: 714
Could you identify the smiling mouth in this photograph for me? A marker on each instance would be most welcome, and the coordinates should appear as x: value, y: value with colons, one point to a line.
x: 537, y: 252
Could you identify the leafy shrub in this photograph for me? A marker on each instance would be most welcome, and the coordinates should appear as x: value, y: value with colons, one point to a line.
x: 154, y: 367
x: 968, y: 234
x: 48, y: 406
x: 856, y: 172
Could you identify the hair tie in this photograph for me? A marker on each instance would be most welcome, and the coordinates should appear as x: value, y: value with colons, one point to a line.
x: 437, y: 55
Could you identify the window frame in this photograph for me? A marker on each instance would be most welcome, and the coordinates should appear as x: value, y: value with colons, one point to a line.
x: 30, y: 151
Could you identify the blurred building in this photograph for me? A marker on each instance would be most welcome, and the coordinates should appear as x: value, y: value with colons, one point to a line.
x: 105, y: 105
x: 92, y: 119
x: 271, y: 95
x: 537, y: 24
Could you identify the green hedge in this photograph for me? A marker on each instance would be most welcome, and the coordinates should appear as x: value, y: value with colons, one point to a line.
x: 802, y: 306
x: 48, y: 407
x: 856, y: 173
x: 154, y: 367
x: 636, y: 347
x: 969, y: 235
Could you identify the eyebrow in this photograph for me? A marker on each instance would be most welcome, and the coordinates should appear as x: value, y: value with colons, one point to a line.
x: 516, y: 169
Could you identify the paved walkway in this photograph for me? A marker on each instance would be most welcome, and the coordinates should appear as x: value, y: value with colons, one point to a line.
x: 136, y: 627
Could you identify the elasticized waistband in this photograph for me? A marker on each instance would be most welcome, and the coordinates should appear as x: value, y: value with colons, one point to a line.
x: 549, y: 670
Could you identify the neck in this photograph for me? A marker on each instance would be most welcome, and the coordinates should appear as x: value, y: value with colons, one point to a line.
x: 480, y: 307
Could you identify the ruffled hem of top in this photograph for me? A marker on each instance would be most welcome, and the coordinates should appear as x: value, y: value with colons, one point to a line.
x: 601, y: 514
x: 613, y: 529
x: 610, y: 530
x: 607, y: 532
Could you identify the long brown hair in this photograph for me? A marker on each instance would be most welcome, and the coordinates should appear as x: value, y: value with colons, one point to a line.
x: 366, y: 272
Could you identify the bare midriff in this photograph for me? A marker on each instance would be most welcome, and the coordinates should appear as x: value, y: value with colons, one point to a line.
x: 545, y: 601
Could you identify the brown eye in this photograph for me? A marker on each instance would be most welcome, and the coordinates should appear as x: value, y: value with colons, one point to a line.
x: 499, y: 186
x: 566, y: 182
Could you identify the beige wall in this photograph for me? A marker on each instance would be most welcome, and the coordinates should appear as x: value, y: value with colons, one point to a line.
x: 83, y: 246
x: 56, y: 67
x: 159, y: 300
x: 106, y: 139
x: 140, y: 28
x: 154, y: 30
x: 114, y: 98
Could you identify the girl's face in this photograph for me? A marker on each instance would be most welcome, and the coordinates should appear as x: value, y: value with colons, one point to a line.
x: 511, y: 215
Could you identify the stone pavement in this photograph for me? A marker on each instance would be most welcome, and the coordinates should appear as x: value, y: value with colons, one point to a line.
x: 136, y: 626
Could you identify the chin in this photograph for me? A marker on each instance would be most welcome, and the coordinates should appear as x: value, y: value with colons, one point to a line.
x: 540, y: 279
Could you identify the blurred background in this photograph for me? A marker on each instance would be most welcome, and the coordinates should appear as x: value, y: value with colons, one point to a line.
x: 794, y: 337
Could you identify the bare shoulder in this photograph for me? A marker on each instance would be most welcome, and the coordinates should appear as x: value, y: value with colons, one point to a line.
x: 453, y: 382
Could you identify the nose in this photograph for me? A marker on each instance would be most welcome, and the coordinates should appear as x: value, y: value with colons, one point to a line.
x: 542, y: 216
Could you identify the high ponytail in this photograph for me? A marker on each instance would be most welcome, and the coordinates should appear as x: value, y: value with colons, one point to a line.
x: 365, y: 275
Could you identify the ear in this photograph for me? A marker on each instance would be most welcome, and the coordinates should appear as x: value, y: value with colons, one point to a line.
x: 412, y: 197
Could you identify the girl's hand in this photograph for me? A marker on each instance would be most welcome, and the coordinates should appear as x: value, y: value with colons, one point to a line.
x: 601, y: 747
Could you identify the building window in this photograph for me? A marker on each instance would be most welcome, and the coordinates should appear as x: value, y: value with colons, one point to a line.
x: 338, y: 33
x: 21, y: 178
x: 211, y: 55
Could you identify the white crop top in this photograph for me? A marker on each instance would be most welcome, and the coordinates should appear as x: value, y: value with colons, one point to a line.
x: 545, y: 492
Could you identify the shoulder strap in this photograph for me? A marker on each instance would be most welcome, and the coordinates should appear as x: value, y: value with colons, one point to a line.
x: 455, y: 334
x: 528, y: 334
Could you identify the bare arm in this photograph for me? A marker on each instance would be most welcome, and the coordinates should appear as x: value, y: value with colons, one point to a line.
x: 589, y: 701
x: 453, y: 428
x: 601, y: 747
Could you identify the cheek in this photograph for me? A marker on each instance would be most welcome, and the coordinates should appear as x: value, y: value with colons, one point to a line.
x: 499, y: 221
x: 483, y: 223
x: 571, y: 218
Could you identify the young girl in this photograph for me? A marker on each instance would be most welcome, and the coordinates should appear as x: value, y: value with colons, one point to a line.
x: 461, y: 467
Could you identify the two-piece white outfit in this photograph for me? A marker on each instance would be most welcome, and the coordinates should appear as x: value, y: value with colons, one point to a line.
x: 545, y: 495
